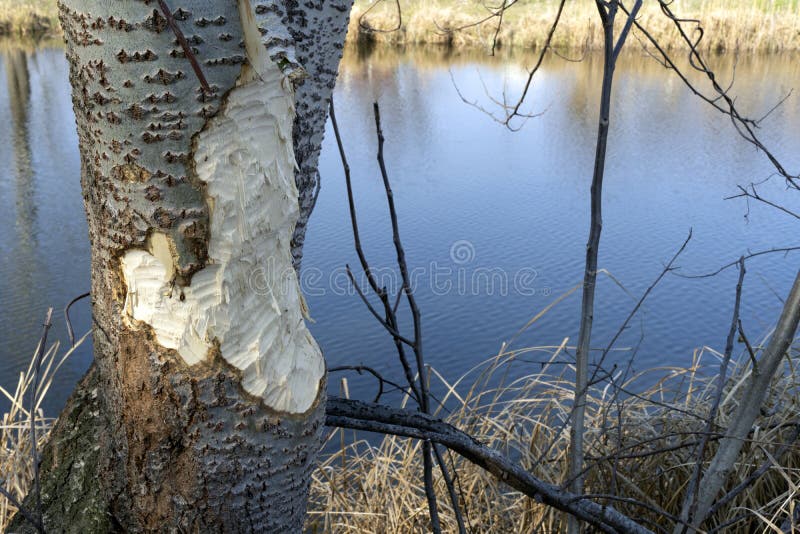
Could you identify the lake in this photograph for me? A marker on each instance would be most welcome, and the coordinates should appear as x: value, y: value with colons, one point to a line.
x: 494, y: 222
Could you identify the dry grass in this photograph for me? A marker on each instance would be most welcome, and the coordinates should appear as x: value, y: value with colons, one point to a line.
x: 640, y: 446
x: 760, y: 25
x: 25, y: 18
x: 747, y: 25
x: 377, y: 488
x: 16, y: 467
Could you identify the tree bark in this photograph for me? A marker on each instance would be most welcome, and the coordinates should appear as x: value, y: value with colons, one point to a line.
x: 318, y: 31
x: 204, y: 407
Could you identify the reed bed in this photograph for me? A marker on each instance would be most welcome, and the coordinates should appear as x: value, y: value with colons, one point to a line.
x: 642, y: 432
x: 16, y: 465
x: 638, y: 445
x: 734, y: 25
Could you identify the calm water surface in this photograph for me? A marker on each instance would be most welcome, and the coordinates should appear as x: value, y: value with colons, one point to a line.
x: 494, y: 222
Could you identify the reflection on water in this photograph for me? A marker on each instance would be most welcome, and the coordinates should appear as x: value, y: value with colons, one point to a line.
x: 18, y: 83
x: 494, y: 222
x: 43, y: 235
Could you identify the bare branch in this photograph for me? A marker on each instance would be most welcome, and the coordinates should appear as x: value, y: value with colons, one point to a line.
x: 745, y: 126
x: 379, y: 377
x: 749, y: 407
x: 346, y: 413
x: 690, y: 499
x: 753, y: 193
x: 70, y: 332
x: 390, y: 316
x: 785, y: 250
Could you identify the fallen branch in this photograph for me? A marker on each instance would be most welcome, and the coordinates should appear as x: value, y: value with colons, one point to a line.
x: 357, y: 415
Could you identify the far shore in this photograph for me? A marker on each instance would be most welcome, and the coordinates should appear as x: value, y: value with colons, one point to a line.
x: 729, y: 26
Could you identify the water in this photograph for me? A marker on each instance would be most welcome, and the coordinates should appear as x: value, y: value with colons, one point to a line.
x: 494, y: 222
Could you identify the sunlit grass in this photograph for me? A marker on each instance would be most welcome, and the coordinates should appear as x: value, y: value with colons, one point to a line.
x: 761, y: 25
x: 21, y: 18
x: 748, y: 25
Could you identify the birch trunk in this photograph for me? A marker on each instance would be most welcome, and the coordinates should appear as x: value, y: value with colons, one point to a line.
x: 204, y: 407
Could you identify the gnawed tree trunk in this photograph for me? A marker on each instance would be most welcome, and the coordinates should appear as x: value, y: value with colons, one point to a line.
x: 204, y: 407
x: 318, y: 35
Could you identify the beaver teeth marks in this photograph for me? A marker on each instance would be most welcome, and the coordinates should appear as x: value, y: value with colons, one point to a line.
x: 246, y: 300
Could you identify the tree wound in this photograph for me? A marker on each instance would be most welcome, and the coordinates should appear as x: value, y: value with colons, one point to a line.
x: 246, y: 301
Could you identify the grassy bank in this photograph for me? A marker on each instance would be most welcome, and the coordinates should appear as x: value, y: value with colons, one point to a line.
x: 28, y: 18
x: 747, y: 25
x: 731, y: 25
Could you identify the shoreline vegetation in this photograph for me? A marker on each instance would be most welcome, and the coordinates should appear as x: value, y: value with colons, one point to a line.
x: 29, y: 19
x: 730, y: 26
x: 641, y: 444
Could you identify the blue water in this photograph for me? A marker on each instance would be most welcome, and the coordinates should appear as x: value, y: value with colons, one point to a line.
x: 494, y: 222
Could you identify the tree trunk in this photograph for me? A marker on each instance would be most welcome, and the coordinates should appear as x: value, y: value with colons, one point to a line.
x: 204, y: 407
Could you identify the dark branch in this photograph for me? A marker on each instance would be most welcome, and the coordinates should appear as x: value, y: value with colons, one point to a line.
x: 345, y: 413
x: 187, y: 50
x: 71, y: 332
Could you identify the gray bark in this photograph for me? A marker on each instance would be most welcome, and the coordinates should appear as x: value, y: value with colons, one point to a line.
x: 152, y: 440
x: 611, y: 50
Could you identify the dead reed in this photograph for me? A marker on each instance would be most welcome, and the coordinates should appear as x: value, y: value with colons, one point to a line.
x: 16, y: 465
x: 641, y: 443
x: 642, y: 432
x: 28, y: 18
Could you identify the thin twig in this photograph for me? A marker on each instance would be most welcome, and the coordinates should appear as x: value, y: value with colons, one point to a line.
x: 744, y: 126
x: 417, y: 322
x: 389, y: 321
x: 785, y: 250
x: 187, y: 50
x: 750, y: 352
x: 690, y: 500
x: 37, y: 364
x: 366, y: 369
x: 370, y: 29
x: 755, y: 196
x: 451, y: 489
x: 512, y: 112
x: 70, y: 332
